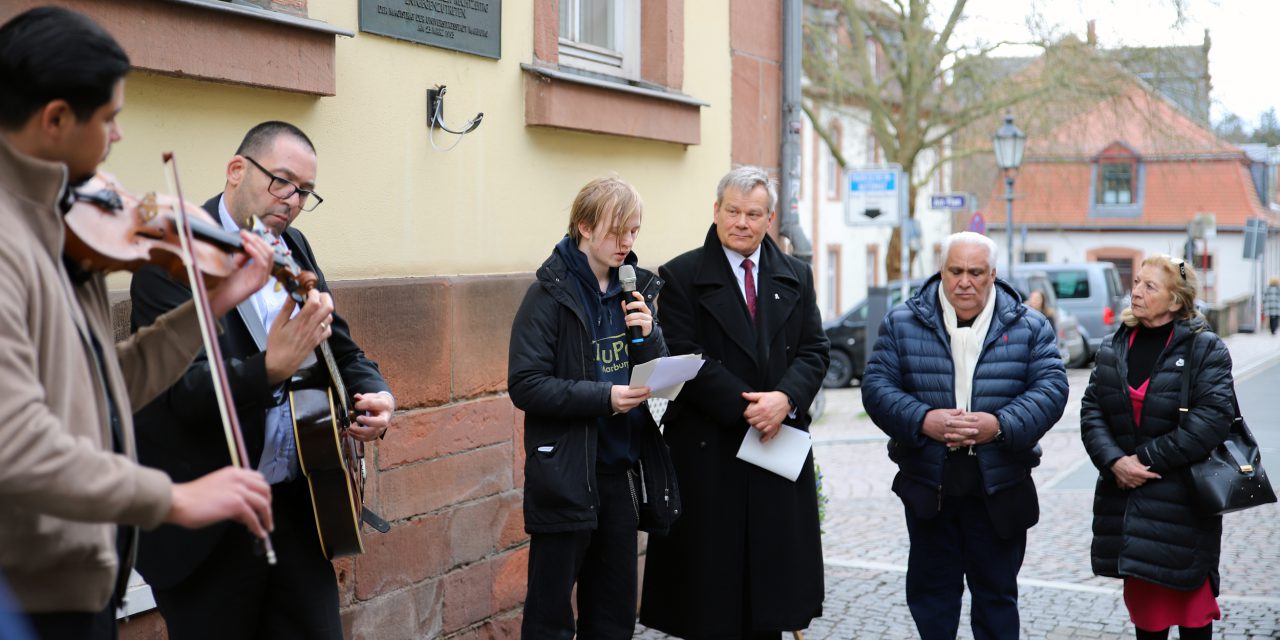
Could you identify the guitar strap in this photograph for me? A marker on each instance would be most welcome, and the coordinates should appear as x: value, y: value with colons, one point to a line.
x: 374, y: 520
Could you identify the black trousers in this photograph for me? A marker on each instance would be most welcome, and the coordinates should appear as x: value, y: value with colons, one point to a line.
x: 75, y: 625
x: 1275, y: 323
x: 958, y: 545
x: 234, y: 593
x: 602, y: 562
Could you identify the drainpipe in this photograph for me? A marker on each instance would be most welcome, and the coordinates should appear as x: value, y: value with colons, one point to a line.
x: 789, y: 203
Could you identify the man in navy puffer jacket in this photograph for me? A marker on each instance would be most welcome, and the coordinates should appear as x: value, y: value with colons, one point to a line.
x: 965, y: 380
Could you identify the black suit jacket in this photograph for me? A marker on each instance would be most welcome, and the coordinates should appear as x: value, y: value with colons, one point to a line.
x: 181, y: 432
x: 693, y: 584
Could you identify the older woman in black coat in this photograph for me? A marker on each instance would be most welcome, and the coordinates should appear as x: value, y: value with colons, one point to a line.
x: 1145, y: 528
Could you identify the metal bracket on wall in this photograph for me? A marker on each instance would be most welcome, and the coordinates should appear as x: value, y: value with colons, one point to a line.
x: 435, y: 117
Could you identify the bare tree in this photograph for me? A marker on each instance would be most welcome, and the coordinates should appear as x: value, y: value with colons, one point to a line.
x: 925, y: 93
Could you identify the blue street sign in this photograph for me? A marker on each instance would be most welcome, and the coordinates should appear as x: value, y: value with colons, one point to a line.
x: 873, y: 195
x: 873, y: 181
x: 948, y: 201
x: 977, y: 223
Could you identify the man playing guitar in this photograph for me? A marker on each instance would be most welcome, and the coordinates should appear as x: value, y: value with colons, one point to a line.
x: 270, y: 181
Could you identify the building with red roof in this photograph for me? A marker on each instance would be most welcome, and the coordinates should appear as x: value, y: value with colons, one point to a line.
x: 1125, y: 178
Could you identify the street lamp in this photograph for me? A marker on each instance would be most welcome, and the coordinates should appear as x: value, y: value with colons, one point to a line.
x: 1009, y: 142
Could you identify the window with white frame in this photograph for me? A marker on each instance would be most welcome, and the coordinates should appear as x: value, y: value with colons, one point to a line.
x: 602, y: 36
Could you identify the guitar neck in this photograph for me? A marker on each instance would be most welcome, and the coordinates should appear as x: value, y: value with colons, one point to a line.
x: 325, y: 354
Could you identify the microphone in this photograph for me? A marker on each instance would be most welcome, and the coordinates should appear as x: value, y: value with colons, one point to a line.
x: 627, y: 274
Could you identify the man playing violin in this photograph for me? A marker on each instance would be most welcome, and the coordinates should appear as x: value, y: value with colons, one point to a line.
x: 71, y: 494
x: 269, y: 181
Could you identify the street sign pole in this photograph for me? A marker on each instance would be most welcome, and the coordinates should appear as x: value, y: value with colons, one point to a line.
x: 903, y: 215
x: 1008, y: 225
x: 1250, y: 228
x: 1255, y: 235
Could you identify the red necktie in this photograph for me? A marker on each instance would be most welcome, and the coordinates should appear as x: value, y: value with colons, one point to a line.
x: 751, y: 288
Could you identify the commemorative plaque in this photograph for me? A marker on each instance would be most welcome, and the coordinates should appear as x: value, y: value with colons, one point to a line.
x: 470, y: 26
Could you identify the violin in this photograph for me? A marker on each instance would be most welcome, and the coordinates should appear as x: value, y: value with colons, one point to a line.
x: 110, y: 229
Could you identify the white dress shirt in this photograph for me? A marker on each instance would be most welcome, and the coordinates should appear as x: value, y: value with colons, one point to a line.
x: 735, y: 265
x: 279, y: 461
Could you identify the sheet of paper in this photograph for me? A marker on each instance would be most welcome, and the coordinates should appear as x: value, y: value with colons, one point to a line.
x: 784, y: 454
x: 666, y: 376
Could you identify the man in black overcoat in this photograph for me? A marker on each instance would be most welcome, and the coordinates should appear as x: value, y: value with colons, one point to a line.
x: 745, y: 558
x: 213, y: 583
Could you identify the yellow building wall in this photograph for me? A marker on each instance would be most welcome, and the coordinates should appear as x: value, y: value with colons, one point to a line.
x: 395, y: 207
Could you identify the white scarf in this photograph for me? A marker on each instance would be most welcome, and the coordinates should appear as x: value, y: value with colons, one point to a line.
x: 966, y: 343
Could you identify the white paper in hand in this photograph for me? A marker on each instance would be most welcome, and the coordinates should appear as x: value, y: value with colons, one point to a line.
x: 784, y: 454
x: 665, y: 377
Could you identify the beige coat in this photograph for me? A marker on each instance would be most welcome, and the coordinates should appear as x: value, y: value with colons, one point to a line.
x: 61, y: 487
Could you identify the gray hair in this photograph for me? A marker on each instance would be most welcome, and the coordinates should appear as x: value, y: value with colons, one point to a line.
x: 969, y: 237
x: 745, y: 179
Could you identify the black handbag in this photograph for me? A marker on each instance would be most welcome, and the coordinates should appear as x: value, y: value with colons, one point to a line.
x: 1232, y: 477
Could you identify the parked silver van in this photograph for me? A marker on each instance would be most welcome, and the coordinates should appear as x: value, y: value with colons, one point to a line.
x: 1092, y: 291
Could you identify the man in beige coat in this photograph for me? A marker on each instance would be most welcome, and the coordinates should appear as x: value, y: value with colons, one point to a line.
x: 67, y: 470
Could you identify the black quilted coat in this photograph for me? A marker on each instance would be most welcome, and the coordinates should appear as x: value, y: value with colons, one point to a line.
x: 1153, y: 532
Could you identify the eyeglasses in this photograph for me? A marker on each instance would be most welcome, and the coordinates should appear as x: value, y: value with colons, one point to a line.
x: 284, y: 189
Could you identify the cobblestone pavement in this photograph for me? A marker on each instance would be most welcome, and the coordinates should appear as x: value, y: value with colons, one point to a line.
x: 865, y: 538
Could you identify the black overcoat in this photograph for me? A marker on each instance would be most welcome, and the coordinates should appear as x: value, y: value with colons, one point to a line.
x: 1153, y: 532
x: 741, y: 523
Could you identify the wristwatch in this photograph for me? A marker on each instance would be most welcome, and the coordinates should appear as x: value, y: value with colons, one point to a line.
x: 999, y: 435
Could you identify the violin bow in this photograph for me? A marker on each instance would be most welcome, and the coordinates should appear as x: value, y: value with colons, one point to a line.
x: 208, y: 332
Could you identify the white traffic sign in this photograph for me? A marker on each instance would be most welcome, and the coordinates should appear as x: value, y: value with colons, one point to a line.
x: 871, y: 196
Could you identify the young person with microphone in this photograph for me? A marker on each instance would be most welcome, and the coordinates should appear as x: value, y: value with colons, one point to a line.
x: 593, y: 476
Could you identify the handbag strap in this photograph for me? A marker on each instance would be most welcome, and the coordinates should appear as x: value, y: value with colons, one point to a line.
x: 1243, y: 464
x: 1184, y: 396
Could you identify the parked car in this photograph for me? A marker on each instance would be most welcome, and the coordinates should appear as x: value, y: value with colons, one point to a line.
x: 1092, y: 291
x: 1073, y: 345
x: 1074, y: 339
x: 848, y: 336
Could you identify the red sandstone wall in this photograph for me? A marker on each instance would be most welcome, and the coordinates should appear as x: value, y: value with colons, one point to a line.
x: 448, y: 476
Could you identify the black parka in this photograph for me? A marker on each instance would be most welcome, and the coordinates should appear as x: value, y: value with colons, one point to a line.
x: 1153, y: 532
x: 551, y: 375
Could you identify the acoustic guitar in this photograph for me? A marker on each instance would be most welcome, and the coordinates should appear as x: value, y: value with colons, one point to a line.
x: 330, y: 459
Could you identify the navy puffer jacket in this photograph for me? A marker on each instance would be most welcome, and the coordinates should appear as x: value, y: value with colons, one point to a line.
x: 1019, y: 378
x: 1153, y: 532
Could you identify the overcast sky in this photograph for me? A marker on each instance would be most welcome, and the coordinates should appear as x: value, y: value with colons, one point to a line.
x: 1244, y: 35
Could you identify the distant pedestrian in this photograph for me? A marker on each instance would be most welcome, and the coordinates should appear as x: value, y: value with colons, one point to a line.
x: 1271, y: 303
x: 965, y: 381
x: 1145, y: 529
x: 1035, y: 300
